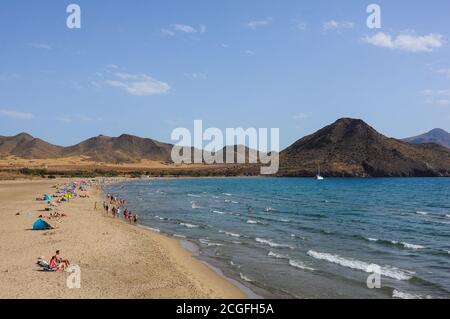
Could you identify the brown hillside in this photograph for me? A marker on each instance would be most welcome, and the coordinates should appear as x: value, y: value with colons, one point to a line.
x: 122, y: 149
x: 350, y: 147
x: 26, y: 146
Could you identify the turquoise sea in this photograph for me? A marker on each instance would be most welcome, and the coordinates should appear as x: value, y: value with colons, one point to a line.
x: 304, y: 238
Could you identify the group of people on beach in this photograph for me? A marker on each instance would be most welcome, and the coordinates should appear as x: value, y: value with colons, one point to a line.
x: 63, y: 193
x: 116, y: 206
x: 56, y: 263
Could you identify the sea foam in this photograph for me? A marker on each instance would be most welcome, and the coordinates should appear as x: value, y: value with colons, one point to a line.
x: 404, y: 295
x: 276, y: 255
x: 271, y: 243
x: 299, y: 264
x: 412, y: 246
x: 189, y: 225
x: 229, y: 233
x: 245, y: 278
x: 209, y: 243
x: 387, y: 271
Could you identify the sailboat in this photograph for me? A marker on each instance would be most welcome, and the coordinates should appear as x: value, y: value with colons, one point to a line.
x: 318, y: 176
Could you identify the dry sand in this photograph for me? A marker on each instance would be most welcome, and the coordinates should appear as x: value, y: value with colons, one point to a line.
x: 85, y: 164
x: 117, y: 260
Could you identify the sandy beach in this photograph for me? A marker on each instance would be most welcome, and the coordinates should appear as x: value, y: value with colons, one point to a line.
x: 117, y: 260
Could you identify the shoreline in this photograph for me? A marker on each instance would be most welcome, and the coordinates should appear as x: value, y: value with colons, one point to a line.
x: 251, y: 290
x: 117, y: 260
x: 188, y: 245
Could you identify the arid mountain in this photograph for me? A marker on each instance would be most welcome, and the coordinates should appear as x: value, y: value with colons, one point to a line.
x: 239, y: 153
x: 26, y: 146
x: 350, y: 147
x: 436, y: 136
x: 122, y: 149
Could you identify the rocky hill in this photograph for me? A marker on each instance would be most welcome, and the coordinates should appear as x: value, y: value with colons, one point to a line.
x: 350, y: 147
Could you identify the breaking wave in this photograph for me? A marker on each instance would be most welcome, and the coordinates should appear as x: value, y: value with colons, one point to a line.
x: 404, y: 295
x: 229, y: 233
x: 209, y: 243
x: 299, y: 264
x: 387, y: 271
x: 189, y: 225
x: 243, y: 277
x: 271, y: 243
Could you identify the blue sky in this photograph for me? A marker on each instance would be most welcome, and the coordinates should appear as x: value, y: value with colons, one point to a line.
x: 147, y: 67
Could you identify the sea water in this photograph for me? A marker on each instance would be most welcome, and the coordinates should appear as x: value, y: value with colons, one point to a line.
x: 302, y: 238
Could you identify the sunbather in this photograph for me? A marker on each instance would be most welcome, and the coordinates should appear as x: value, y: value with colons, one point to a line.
x: 53, y: 264
x: 45, y: 265
x: 62, y: 263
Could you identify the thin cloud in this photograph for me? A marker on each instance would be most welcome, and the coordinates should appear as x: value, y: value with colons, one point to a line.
x: 437, y: 97
x: 167, y: 32
x: 16, y: 115
x: 446, y: 72
x: 75, y: 118
x: 334, y: 25
x: 443, y: 102
x: 300, y: 116
x: 406, y: 42
x: 183, y: 28
x: 65, y: 119
x: 40, y: 46
x: 299, y: 25
x: 429, y: 92
x: 138, y: 84
x: 439, y: 102
x: 259, y: 23
x: 196, y: 76
x: 249, y: 52
x: 96, y: 83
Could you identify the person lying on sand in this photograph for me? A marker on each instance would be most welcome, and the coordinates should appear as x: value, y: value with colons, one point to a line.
x: 47, y: 266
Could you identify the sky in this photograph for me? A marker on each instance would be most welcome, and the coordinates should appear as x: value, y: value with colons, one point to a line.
x: 147, y: 67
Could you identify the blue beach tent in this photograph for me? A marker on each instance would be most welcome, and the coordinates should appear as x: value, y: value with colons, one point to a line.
x: 47, y: 197
x: 40, y: 224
